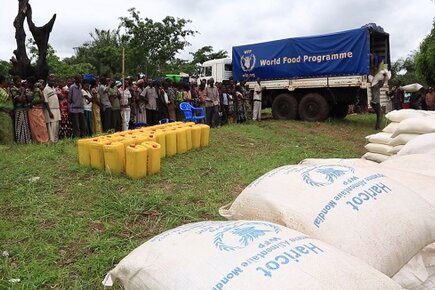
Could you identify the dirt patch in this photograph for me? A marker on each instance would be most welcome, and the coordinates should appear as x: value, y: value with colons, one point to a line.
x: 96, y: 227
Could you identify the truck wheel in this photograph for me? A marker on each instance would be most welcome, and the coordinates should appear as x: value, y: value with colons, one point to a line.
x: 313, y: 107
x: 339, y: 111
x: 285, y: 107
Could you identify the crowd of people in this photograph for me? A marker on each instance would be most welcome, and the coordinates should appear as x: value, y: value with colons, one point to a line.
x: 45, y: 111
x: 423, y: 99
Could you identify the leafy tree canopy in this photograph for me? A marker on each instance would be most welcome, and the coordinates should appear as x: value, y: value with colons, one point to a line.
x: 425, y: 58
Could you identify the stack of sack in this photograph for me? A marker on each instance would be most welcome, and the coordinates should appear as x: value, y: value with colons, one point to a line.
x: 321, y: 224
x: 379, y: 214
x: 405, y: 126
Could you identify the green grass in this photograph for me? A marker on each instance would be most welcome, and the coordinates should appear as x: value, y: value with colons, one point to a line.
x: 68, y: 229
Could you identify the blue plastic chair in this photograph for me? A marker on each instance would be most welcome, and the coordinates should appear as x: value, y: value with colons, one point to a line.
x: 191, y: 113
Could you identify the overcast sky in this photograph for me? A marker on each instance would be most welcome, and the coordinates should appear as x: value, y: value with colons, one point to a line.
x: 223, y: 24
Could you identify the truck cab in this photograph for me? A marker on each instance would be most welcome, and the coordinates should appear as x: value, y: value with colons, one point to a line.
x: 219, y: 69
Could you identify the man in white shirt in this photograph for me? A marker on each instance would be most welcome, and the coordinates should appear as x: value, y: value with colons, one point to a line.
x: 257, y: 101
x: 52, y: 111
x: 212, y: 104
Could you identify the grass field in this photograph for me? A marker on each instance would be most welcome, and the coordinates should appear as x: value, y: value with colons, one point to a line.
x: 66, y: 230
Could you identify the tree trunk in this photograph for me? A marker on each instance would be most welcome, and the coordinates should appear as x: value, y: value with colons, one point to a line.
x: 21, y: 62
x: 21, y: 65
x: 41, y: 36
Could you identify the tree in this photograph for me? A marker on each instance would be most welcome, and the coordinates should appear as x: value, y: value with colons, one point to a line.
x: 5, y: 67
x: 103, y: 52
x: 57, y: 66
x: 21, y: 63
x: 425, y: 58
x: 403, y: 70
x: 206, y: 53
x: 152, y: 45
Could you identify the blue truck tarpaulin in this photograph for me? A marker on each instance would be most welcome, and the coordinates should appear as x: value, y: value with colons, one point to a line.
x: 337, y: 54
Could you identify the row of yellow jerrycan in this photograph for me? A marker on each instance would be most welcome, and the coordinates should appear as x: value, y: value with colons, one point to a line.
x: 138, y: 152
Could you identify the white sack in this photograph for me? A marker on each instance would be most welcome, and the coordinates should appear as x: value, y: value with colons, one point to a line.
x: 400, y: 115
x: 380, y: 138
x: 352, y: 208
x: 390, y: 128
x: 417, y: 163
x: 402, y: 139
x: 394, y: 150
x: 341, y: 161
x: 420, y: 125
x: 415, y: 275
x: 241, y: 255
x: 411, y: 88
x: 375, y: 157
x: 423, y: 144
x: 378, y: 148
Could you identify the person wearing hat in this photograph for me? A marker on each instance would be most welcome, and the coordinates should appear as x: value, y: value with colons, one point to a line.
x: 88, y: 100
x: 106, y: 105
x: 140, y: 114
x: 212, y: 104
x: 115, y: 100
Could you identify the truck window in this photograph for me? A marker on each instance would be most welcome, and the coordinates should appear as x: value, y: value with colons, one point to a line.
x: 208, y: 71
x: 201, y: 71
x: 228, y: 67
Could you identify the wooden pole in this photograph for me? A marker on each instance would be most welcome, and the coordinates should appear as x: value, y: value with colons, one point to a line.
x: 123, y: 69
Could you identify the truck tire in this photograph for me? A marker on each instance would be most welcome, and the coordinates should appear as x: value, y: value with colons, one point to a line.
x: 313, y: 107
x: 339, y: 111
x: 285, y: 107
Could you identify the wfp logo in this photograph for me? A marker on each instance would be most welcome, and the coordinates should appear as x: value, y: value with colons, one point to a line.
x: 324, y: 174
x: 247, y: 61
x: 241, y: 235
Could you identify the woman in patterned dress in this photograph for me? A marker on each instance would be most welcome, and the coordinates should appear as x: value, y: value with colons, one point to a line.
x: 65, y: 124
x: 21, y: 106
x: 96, y: 109
x: 35, y: 113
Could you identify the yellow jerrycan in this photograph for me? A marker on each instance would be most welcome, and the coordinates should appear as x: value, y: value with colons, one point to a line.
x: 96, y: 153
x: 188, y: 137
x: 205, y: 134
x: 114, y: 157
x: 181, y: 140
x: 161, y: 139
x: 196, y: 136
x: 84, y: 151
x: 171, y: 142
x: 153, y: 156
x: 136, y: 157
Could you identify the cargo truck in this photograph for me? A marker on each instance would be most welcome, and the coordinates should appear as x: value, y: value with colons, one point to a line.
x: 311, y: 78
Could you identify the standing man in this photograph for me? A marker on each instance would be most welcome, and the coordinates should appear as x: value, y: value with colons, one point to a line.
x: 211, y: 104
x: 376, y: 101
x: 52, y: 112
x: 115, y: 100
x: 76, y: 107
x: 257, y: 101
x: 150, y: 95
x: 106, y: 106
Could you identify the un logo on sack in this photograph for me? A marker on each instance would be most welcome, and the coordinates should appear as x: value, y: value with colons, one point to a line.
x: 324, y: 174
x: 247, y: 61
x: 241, y: 235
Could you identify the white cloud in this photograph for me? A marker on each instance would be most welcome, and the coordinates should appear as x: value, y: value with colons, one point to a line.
x: 223, y: 24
